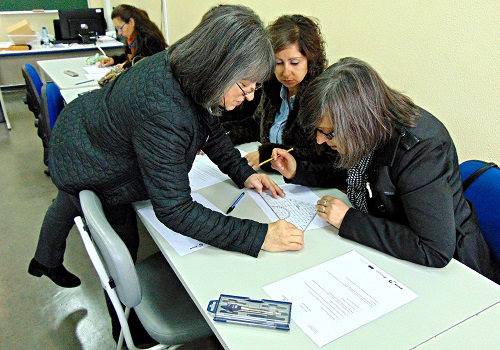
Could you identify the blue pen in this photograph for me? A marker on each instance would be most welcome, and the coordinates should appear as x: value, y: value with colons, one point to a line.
x: 83, y: 82
x: 235, y: 202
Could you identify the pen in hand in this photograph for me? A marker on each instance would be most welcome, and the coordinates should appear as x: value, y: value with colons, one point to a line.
x: 270, y: 159
x: 235, y: 202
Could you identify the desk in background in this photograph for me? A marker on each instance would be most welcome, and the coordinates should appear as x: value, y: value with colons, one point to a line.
x: 53, y: 70
x: 11, y: 62
x: 447, y: 296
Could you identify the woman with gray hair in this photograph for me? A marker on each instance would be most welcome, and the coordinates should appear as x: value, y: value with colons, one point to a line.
x: 403, y: 177
x: 137, y: 138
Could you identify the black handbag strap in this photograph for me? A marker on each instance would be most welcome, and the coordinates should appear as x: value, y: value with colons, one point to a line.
x: 473, y: 177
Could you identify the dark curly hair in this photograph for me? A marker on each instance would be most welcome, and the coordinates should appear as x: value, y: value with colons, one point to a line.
x: 305, y: 32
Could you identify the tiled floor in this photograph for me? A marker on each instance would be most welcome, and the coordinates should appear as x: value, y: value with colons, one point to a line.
x: 34, y: 312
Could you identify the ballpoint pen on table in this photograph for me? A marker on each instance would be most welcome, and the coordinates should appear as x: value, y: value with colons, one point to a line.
x: 235, y: 202
x: 84, y: 82
x: 266, y: 161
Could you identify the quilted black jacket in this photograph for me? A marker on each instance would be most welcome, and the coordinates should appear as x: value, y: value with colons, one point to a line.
x: 137, y: 138
x: 417, y: 211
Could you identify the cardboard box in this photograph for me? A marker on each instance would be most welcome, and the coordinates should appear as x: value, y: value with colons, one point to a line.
x: 21, y: 28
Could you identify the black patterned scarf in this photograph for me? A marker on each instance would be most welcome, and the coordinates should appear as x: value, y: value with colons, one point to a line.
x: 357, y: 180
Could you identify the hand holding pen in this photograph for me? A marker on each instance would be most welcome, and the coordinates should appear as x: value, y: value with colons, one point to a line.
x: 284, y: 162
x: 275, y: 156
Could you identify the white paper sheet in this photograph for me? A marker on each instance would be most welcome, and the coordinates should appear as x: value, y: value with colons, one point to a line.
x: 293, y: 193
x: 338, y: 296
x: 205, y: 173
x: 94, y: 69
x: 182, y: 244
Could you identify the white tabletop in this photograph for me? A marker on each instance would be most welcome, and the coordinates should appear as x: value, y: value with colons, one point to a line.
x: 447, y: 296
x: 480, y: 331
x: 54, y: 70
x: 71, y: 94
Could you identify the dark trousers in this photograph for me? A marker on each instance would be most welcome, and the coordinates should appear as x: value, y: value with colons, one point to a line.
x: 58, y: 222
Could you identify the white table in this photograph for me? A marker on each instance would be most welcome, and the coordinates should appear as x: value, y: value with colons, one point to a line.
x: 480, y: 331
x: 447, y: 296
x: 11, y: 62
x: 71, y: 94
x: 53, y: 70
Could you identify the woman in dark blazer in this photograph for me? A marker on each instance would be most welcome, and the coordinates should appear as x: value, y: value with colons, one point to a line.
x: 403, y: 177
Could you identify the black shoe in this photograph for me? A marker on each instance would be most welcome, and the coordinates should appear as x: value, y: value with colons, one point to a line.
x: 59, y: 275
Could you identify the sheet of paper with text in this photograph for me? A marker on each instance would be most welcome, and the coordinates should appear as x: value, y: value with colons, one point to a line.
x: 338, y: 296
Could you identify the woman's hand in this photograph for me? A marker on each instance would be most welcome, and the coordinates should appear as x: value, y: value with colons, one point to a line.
x: 282, y: 235
x: 261, y: 182
x: 253, y: 159
x: 332, y: 210
x: 284, y: 162
x: 106, y: 62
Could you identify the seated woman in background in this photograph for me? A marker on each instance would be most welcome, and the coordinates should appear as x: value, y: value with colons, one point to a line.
x: 300, y: 57
x: 144, y: 38
x: 403, y: 176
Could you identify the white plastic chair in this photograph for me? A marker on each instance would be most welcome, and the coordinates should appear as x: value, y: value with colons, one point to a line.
x: 151, y: 287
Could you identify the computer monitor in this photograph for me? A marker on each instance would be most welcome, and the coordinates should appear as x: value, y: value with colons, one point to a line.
x: 80, y: 23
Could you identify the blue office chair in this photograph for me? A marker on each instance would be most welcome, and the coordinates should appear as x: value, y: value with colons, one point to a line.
x: 52, y: 105
x: 151, y: 287
x: 33, y: 89
x: 481, y: 183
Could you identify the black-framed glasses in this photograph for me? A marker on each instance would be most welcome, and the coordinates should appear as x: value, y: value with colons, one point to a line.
x: 121, y: 27
x: 329, y: 136
x: 245, y: 93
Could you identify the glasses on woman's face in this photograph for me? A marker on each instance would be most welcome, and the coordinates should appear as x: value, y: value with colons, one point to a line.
x: 120, y: 27
x: 252, y: 90
x: 329, y: 136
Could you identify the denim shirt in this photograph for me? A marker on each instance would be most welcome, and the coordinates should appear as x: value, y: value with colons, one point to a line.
x: 276, y: 132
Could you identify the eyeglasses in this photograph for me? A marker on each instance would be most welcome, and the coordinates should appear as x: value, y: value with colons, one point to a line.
x: 329, y: 136
x: 257, y: 87
x: 121, y: 27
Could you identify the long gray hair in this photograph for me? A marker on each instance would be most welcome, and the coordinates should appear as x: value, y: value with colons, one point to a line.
x: 228, y: 45
x: 362, y: 108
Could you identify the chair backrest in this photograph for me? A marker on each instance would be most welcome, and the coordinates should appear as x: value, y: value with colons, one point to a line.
x: 33, y: 88
x: 114, y: 253
x: 484, y: 193
x: 52, y: 103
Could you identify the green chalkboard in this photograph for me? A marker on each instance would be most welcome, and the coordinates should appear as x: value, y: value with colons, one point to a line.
x: 28, y: 5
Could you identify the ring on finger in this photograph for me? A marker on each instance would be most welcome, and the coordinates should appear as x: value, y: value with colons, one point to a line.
x: 325, y: 202
x: 324, y: 210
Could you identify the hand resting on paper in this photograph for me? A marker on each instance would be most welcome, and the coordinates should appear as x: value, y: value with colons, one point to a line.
x: 262, y: 182
x: 281, y: 236
x: 332, y: 210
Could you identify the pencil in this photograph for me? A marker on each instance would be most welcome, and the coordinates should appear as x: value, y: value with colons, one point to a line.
x: 266, y: 161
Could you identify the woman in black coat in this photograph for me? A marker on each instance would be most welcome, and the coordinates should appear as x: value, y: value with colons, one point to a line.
x: 137, y: 138
x: 403, y: 177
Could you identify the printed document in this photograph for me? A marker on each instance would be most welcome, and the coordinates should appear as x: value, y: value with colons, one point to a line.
x: 338, y: 296
x: 182, y: 244
x: 298, y: 206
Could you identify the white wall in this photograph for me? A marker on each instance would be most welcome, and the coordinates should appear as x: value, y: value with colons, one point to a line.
x: 444, y: 54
